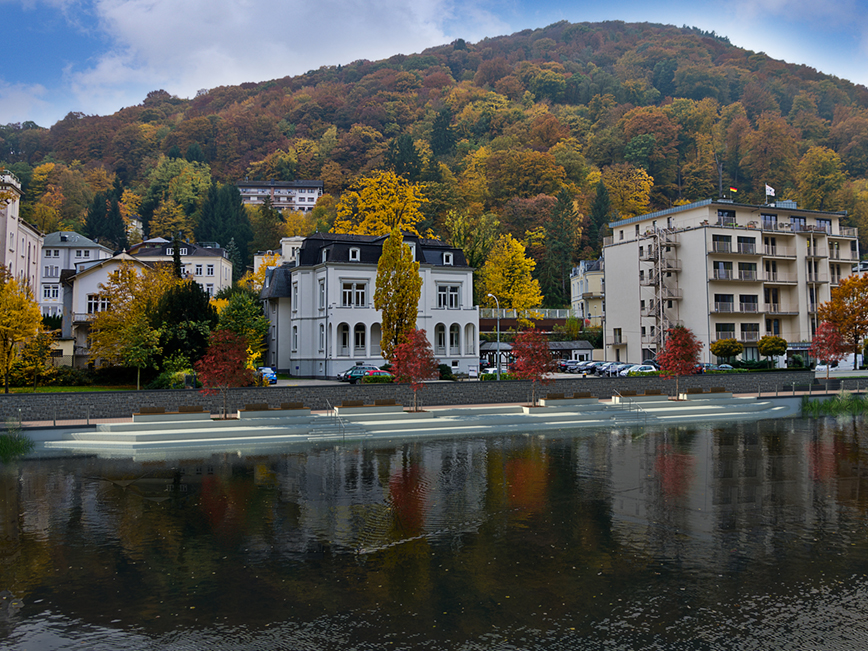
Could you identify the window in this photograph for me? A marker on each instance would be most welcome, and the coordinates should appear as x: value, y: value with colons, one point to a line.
x: 170, y: 251
x: 723, y: 302
x: 747, y: 245
x: 86, y: 253
x: 209, y: 270
x: 725, y: 217
x: 198, y: 269
x: 50, y: 291
x: 447, y: 259
x: 294, y: 297
x: 824, y: 225
x: 209, y: 289
x: 355, y: 255
x: 96, y: 303
x: 721, y: 243
x: 359, y: 338
x: 748, y: 302
x: 78, y: 253
x: 797, y: 223
x: 294, y: 338
x: 747, y: 271
x: 448, y: 296
x: 322, y: 295
x: 354, y: 294
x: 321, y: 337
x: 769, y: 222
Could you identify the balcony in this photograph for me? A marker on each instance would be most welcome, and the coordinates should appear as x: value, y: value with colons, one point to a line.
x: 649, y: 311
x: 746, y: 249
x: 816, y: 252
x: 589, y: 295
x: 616, y: 340
x: 816, y: 278
x: 721, y: 247
x: 779, y: 278
x: 775, y: 251
x: 748, y: 275
x: 748, y: 307
x: 780, y: 309
x: 648, y: 253
x: 647, y: 280
x: 838, y: 254
x: 724, y: 334
x: 748, y: 336
x: 847, y: 231
x: 726, y: 307
x: 721, y: 274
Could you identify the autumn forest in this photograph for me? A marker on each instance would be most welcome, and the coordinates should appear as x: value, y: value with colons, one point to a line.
x: 545, y: 136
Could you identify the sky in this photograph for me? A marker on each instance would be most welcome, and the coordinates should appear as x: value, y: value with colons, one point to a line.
x: 98, y: 56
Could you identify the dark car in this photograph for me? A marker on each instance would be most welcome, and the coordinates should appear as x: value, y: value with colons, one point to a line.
x: 345, y: 376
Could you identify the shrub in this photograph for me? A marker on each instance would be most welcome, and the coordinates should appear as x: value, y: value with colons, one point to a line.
x: 377, y: 379
x: 172, y: 380
x: 446, y: 372
x: 67, y: 376
x: 488, y: 377
x: 13, y: 443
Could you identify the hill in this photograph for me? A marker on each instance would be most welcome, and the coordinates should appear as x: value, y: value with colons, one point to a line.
x: 662, y: 115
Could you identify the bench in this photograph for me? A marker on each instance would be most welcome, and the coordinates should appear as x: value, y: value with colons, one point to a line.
x: 262, y: 410
x: 555, y: 396
x: 560, y: 400
x: 715, y: 393
x: 256, y: 406
x: 159, y: 414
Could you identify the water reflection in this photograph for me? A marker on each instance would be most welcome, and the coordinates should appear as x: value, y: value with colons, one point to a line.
x: 750, y: 536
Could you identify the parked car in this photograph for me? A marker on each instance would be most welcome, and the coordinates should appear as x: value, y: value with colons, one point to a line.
x: 345, y: 376
x: 638, y: 368
x: 615, y: 369
x: 565, y: 365
x: 591, y: 368
x: 267, y: 373
x: 580, y: 366
x: 724, y: 367
x: 602, y: 368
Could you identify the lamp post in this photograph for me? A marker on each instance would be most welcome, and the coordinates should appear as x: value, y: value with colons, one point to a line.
x: 498, y: 334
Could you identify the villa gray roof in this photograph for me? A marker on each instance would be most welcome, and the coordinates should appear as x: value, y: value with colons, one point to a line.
x: 428, y: 251
x: 70, y: 240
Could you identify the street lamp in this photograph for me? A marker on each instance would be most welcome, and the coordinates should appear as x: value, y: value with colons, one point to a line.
x: 498, y: 334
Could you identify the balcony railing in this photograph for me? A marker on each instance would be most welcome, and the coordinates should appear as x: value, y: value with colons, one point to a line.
x: 779, y: 277
x: 747, y: 249
x: 816, y: 252
x: 775, y: 251
x: 671, y: 265
x: 536, y: 313
x: 750, y: 335
x: 722, y: 274
x: 816, y: 278
x: 748, y: 307
x: 778, y: 308
x: 724, y: 334
x: 647, y: 279
x: 671, y: 293
x: 616, y: 340
x: 748, y: 275
x: 727, y: 306
x: 846, y: 231
x: 721, y: 247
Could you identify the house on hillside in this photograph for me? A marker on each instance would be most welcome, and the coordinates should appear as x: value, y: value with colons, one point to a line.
x: 64, y: 250
x: 206, y: 263
x: 298, y: 196
x: 321, y: 305
x: 724, y: 270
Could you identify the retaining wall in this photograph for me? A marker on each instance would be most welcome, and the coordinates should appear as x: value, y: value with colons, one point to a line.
x: 122, y: 404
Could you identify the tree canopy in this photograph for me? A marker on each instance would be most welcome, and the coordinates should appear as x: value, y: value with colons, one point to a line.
x: 397, y: 292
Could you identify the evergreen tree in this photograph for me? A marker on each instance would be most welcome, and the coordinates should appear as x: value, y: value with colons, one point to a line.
x: 403, y: 158
x: 195, y: 153
x: 185, y: 318
x: 267, y: 227
x: 176, y: 256
x: 115, y: 232
x: 557, y: 256
x: 222, y: 217
x: 601, y: 213
x: 442, y: 135
x: 95, y: 222
x: 234, y: 256
x: 174, y: 152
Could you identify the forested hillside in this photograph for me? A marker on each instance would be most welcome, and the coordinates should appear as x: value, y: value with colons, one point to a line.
x: 548, y: 132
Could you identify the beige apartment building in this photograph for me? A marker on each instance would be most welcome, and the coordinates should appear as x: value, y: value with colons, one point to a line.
x: 724, y: 270
x: 587, y: 287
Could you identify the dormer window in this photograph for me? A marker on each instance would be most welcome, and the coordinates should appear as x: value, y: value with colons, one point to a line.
x: 183, y: 251
x: 355, y: 255
x: 447, y: 259
x: 325, y: 255
x: 412, y: 246
x: 170, y: 251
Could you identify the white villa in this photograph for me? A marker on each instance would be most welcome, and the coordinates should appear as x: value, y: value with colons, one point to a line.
x: 61, y: 251
x: 320, y: 305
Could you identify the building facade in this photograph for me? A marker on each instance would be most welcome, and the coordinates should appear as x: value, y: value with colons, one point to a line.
x: 321, y: 305
x: 299, y: 196
x: 725, y: 271
x: 21, y: 242
x: 587, y: 288
x: 64, y: 250
x: 207, y: 264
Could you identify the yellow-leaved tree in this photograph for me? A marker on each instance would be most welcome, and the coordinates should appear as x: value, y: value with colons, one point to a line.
x: 629, y: 189
x: 122, y: 334
x: 508, y: 274
x: 255, y: 280
x: 848, y: 311
x: 397, y: 292
x: 378, y: 203
x: 20, y: 320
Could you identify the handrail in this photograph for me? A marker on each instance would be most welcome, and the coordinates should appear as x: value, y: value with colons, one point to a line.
x: 337, y: 419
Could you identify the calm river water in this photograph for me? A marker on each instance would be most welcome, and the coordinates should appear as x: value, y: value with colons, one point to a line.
x: 740, y: 537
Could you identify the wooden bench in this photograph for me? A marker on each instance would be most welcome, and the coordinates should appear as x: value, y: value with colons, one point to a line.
x: 580, y: 398
x: 579, y: 395
x: 190, y: 409
x: 555, y: 396
x: 353, y: 403
x: 256, y: 406
x: 384, y: 402
x: 262, y: 410
x: 291, y: 405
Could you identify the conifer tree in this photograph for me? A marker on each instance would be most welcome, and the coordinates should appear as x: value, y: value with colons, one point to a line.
x: 398, y: 288
x: 234, y: 256
x: 601, y: 213
x: 95, y: 222
x: 115, y: 232
x: 442, y: 135
x: 557, y: 257
x: 403, y: 159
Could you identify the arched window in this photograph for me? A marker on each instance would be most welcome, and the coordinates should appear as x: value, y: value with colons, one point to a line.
x: 469, y: 339
x: 321, y: 337
x: 440, y: 339
x: 454, y: 339
x: 344, y: 340
x: 359, y: 340
x: 294, y: 338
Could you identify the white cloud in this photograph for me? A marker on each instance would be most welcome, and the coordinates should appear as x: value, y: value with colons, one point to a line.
x: 22, y: 102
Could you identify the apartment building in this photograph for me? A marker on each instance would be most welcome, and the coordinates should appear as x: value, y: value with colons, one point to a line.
x: 321, y: 305
x: 723, y: 269
x: 21, y: 242
x: 64, y: 250
x: 300, y: 196
x: 587, y: 288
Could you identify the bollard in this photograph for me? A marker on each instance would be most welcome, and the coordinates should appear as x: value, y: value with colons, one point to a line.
x: 55, y: 416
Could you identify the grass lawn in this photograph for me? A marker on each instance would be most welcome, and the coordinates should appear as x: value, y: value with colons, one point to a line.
x: 77, y: 389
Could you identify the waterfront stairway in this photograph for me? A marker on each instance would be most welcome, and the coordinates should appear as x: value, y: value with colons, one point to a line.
x: 258, y: 428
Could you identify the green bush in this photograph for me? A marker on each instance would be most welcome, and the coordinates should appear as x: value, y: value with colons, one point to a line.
x: 644, y: 374
x: 171, y: 380
x: 13, y: 443
x: 377, y: 379
x: 67, y: 376
x: 488, y: 377
x: 446, y: 372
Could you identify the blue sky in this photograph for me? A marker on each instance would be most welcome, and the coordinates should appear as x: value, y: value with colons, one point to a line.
x: 97, y: 56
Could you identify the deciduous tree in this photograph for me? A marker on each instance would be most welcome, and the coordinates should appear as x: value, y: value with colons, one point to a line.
x: 379, y: 203
x: 533, y: 361
x: 772, y: 346
x: 828, y: 345
x: 20, y: 320
x: 243, y: 316
x: 508, y: 274
x: 413, y: 361
x: 224, y: 364
x: 680, y: 354
x: 847, y: 311
x: 726, y: 348
x: 819, y: 177
x: 398, y: 287
x: 629, y: 189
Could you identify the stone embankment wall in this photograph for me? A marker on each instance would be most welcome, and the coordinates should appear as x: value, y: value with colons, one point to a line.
x: 121, y: 404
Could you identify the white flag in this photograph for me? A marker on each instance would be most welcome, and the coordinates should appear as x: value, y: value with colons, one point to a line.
x: 770, y: 191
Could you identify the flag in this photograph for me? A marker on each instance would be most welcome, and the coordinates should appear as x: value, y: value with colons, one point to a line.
x: 770, y: 191
x: 733, y: 188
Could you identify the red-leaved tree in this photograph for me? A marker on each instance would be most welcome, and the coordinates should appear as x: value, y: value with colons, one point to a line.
x: 533, y: 361
x: 680, y: 354
x: 413, y: 361
x: 224, y: 364
x: 828, y: 345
